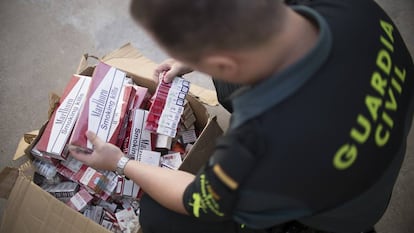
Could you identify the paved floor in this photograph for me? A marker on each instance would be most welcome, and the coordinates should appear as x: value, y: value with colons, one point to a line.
x: 41, y: 42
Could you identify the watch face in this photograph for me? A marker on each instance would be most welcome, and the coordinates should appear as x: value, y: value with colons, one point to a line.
x: 121, y: 165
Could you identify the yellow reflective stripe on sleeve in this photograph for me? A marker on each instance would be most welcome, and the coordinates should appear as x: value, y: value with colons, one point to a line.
x: 227, y: 180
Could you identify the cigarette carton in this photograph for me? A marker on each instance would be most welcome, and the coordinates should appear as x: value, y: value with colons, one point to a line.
x: 27, y: 202
x: 100, y: 109
x: 94, y: 180
x: 166, y: 110
x: 171, y: 161
x: 80, y: 201
x: 95, y: 213
x: 64, y: 191
x: 60, y: 125
x: 139, y: 138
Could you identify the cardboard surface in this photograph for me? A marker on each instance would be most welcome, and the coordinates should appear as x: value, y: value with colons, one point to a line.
x: 7, y: 180
x: 31, y: 209
x: 203, y: 148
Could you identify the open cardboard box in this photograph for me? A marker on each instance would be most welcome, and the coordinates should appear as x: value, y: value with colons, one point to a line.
x: 31, y: 209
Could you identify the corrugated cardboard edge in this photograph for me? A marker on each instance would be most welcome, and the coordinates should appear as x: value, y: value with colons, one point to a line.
x: 46, y: 215
x: 8, y: 177
x: 129, y: 58
x: 204, y: 147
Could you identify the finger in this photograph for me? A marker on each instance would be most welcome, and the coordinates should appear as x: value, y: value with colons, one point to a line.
x: 170, y: 75
x: 94, y: 139
x: 156, y: 75
x: 79, y: 155
x: 160, y: 69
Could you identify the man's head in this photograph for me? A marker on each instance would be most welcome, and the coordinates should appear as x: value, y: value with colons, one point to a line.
x: 190, y: 30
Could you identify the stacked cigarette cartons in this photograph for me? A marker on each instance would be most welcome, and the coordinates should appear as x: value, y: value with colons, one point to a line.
x: 138, y: 101
x: 117, y: 111
x: 60, y: 125
x: 108, y: 96
x: 99, y: 200
x: 167, y: 107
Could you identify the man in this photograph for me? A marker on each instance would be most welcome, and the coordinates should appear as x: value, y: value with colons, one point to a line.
x: 318, y: 130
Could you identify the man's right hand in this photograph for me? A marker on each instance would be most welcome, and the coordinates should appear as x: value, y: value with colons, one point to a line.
x: 169, y: 69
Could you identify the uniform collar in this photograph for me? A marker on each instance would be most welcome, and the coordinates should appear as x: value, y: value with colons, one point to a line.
x: 254, y: 100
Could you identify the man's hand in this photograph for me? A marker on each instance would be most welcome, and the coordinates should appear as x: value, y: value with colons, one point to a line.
x: 105, y: 156
x: 169, y: 69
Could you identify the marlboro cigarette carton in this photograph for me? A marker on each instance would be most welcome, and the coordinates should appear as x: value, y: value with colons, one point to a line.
x: 64, y: 191
x: 80, y: 201
x: 141, y: 97
x: 100, y: 109
x: 126, y: 218
x: 172, y: 161
x: 166, y: 110
x: 188, y: 136
x: 163, y: 142
x: 112, y: 179
x: 94, y: 180
x: 111, y: 207
x: 60, y: 125
x: 95, y: 213
x: 127, y: 188
x: 122, y: 114
x: 139, y: 138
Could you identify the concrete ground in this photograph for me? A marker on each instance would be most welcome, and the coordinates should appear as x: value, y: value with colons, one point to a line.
x: 41, y: 42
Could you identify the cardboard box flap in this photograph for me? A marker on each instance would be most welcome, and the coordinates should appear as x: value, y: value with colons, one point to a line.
x: 129, y: 59
x: 31, y: 210
x: 8, y: 177
x: 24, y: 142
x: 204, y: 147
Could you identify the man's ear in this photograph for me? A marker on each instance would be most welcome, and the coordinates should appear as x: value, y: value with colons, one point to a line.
x: 221, y: 66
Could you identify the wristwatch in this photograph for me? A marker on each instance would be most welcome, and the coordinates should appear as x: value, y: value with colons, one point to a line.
x: 120, y: 166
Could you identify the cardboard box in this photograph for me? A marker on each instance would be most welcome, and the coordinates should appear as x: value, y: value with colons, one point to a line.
x: 31, y: 209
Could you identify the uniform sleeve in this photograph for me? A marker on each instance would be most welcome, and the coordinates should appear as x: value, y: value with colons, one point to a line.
x: 213, y: 194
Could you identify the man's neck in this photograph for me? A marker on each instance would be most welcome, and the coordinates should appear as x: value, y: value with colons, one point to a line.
x: 296, y: 38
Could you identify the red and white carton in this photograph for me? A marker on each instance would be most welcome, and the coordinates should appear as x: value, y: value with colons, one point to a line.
x: 127, y: 219
x: 139, y: 138
x: 80, y: 200
x: 94, y: 213
x: 172, y: 161
x: 72, y: 164
x: 105, y: 98
x: 94, y: 180
x: 128, y: 188
x: 64, y: 191
x: 163, y: 142
x: 122, y: 114
x: 167, y: 107
x: 119, y: 186
x: 141, y: 97
x: 112, y: 179
x: 60, y: 126
x: 138, y: 97
x: 188, y: 136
